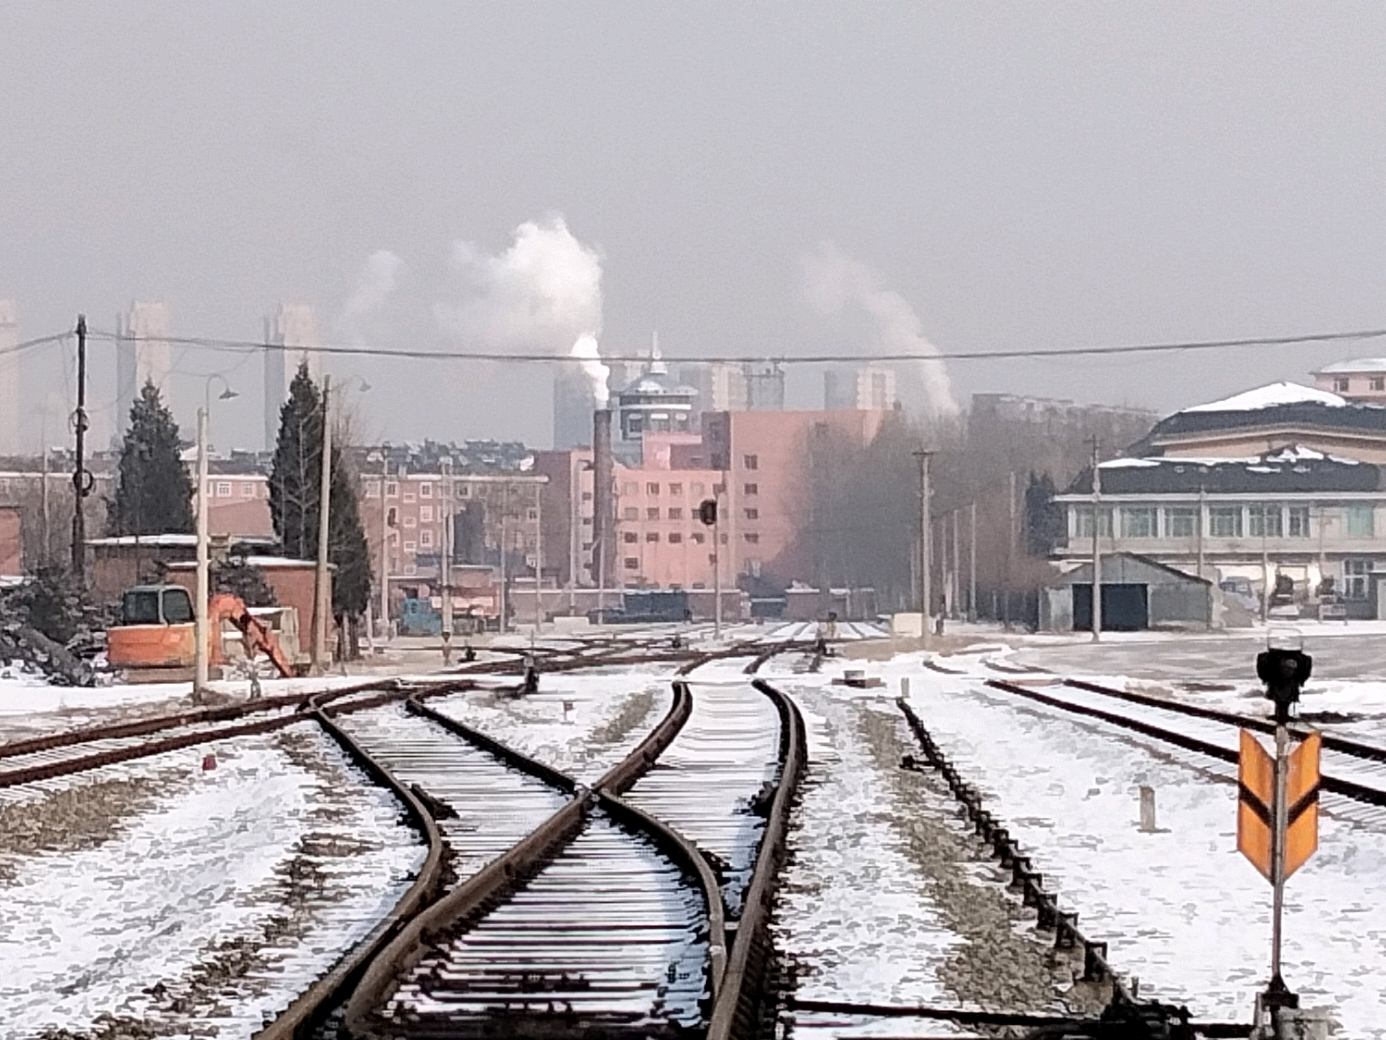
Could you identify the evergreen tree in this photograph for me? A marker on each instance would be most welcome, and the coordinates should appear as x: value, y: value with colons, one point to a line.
x: 294, y: 499
x: 1044, y: 518
x: 154, y: 495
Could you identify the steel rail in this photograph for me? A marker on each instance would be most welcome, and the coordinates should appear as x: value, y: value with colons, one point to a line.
x: 475, y: 897
x: 1330, y: 742
x: 738, y: 1009
x: 1346, y: 788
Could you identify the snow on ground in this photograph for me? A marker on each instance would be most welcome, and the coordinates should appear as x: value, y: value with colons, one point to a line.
x: 213, y: 907
x: 1181, y: 908
x: 611, y: 711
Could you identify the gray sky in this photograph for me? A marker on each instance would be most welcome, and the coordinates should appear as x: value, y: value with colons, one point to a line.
x: 1025, y: 176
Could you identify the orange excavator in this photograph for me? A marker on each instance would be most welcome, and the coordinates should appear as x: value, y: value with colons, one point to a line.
x: 155, y: 637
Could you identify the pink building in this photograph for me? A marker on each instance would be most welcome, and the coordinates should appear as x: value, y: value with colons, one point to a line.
x: 755, y: 464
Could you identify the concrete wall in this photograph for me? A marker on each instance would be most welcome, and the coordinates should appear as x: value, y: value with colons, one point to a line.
x: 11, y: 542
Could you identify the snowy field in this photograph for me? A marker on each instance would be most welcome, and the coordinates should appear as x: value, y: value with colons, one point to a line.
x: 210, y: 904
x: 1181, y: 909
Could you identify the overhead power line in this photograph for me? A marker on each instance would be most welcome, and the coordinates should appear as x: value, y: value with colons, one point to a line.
x: 799, y: 359
x: 28, y: 343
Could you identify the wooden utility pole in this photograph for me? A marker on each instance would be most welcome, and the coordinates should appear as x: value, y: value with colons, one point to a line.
x: 972, y: 562
x: 81, y: 486
x: 925, y: 552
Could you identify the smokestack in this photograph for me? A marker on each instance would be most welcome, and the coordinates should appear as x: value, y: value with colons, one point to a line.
x: 603, y: 509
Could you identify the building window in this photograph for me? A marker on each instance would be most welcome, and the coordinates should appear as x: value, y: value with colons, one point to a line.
x: 753, y: 567
x: 1355, y: 581
x: 750, y: 461
x: 675, y: 538
x: 587, y: 521
x: 652, y: 513
x: 675, y: 513
x: 1138, y: 522
x: 752, y: 538
x: 629, y: 536
x: 532, y: 514
x: 695, y: 489
x: 464, y: 490
x: 630, y: 488
x: 587, y: 496
x: 1357, y: 519
x: 1082, y: 522
x: 632, y: 563
x: 718, y: 489
x: 409, y: 496
x: 1378, y: 382
x: 1299, y: 521
x: 409, y: 546
x: 425, y: 490
x: 372, y: 489
x: 247, y: 490
x: 426, y: 514
x: 652, y: 488
x: 1263, y: 521
x: 630, y: 513
x: 392, y: 517
x: 751, y: 514
x: 675, y: 489
x: 1225, y: 521
x: 697, y: 537
x: 1181, y: 522
x: 410, y: 521
x: 392, y: 490
x: 223, y: 489
x: 651, y: 536
x: 1341, y: 384
x: 426, y: 539
x: 750, y: 489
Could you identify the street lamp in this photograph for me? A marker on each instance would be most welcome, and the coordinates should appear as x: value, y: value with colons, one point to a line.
x: 201, y: 635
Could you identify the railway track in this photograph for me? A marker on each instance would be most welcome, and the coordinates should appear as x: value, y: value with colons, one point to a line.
x: 1353, y: 772
x: 600, y: 918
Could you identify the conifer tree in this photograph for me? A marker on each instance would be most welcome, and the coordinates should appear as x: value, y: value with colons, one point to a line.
x: 294, y: 499
x: 154, y: 493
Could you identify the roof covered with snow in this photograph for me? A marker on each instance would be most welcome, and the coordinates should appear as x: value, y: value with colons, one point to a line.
x: 1288, y: 470
x: 1366, y: 364
x: 1271, y: 396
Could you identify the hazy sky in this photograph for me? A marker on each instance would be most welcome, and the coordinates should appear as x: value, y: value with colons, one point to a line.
x: 1024, y: 176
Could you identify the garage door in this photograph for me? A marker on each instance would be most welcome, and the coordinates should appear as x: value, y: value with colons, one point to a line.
x: 1125, y: 608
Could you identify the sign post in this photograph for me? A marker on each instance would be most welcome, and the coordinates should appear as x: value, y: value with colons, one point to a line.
x: 1278, y: 804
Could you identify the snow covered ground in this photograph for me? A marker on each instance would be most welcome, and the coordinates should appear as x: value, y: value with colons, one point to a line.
x: 1180, y: 907
x: 211, y: 906
x: 610, y: 711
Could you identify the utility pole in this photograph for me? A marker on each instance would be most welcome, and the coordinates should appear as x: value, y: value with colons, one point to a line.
x: 717, y: 564
x: 384, y: 542
x: 504, y: 580
x: 322, y: 604
x: 81, y: 486
x: 972, y: 562
x: 925, y: 554
x: 201, y: 637
x: 1096, y: 544
x: 47, y: 548
x: 538, y: 555
x: 445, y: 558
x: 954, y: 581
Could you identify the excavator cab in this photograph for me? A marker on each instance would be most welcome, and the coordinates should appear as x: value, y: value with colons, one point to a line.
x: 156, y: 630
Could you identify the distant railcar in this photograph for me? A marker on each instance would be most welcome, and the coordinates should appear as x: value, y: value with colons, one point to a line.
x: 649, y: 606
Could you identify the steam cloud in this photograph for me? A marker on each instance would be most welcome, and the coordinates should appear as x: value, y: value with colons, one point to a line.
x: 836, y: 282
x: 374, y: 284
x: 544, y: 291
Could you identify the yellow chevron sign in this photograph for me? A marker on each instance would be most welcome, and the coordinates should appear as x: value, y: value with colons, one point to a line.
x: 1256, y: 804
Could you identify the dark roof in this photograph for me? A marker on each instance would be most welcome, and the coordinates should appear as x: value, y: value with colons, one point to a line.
x: 1292, y: 469
x: 1352, y: 417
x: 1083, y: 574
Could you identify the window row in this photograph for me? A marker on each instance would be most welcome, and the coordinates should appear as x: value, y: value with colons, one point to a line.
x: 226, y: 489
x: 696, y: 489
x: 1257, y: 520
x: 412, y: 491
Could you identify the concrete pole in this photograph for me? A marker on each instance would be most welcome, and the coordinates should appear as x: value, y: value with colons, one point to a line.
x: 445, y: 558
x: 504, y: 578
x: 925, y: 550
x: 717, y: 567
x: 384, y: 542
x: 201, y: 636
x: 1096, y: 545
x: 954, y: 581
x: 972, y: 562
x: 322, y: 604
x: 538, y: 554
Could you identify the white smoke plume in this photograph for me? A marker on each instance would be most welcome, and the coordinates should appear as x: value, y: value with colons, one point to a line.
x: 835, y: 283
x: 544, y: 291
x: 374, y: 284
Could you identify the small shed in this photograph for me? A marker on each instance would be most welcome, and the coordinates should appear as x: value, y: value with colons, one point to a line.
x: 1137, y: 593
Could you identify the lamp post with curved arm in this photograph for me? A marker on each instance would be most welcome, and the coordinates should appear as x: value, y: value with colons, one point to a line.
x: 201, y: 636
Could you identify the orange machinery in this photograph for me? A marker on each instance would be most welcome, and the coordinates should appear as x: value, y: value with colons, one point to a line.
x: 155, y: 637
